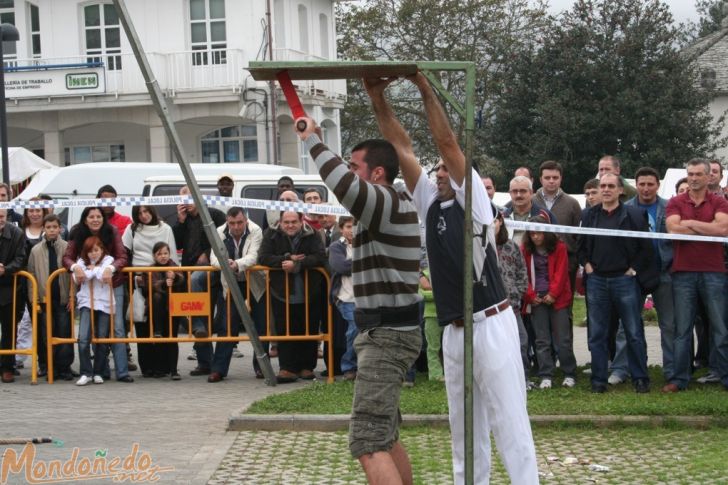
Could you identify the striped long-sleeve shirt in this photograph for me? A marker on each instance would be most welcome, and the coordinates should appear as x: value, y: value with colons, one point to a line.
x: 386, y: 246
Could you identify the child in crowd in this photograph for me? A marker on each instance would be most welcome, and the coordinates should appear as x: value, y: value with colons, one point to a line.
x: 165, y: 360
x: 342, y: 291
x: 515, y: 282
x: 45, y: 258
x: 94, y: 295
x: 547, y: 300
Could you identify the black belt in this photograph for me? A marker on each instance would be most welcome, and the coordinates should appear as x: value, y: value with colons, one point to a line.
x: 489, y: 312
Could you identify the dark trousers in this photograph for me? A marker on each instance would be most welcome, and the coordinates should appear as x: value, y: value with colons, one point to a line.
x: 339, y: 338
x: 158, y: 358
x: 7, y: 362
x: 297, y: 356
x: 702, y: 335
x: 61, y: 328
x: 258, y: 314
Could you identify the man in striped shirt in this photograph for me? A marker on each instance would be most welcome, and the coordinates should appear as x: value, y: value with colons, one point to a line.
x: 385, y: 274
x: 499, y: 392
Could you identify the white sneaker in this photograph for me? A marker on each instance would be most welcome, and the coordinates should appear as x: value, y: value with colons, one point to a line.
x: 545, y: 384
x: 568, y: 382
x: 709, y: 378
x: 237, y: 354
x: 530, y: 386
x: 98, y: 380
x: 192, y: 356
x: 83, y: 380
x: 614, y: 379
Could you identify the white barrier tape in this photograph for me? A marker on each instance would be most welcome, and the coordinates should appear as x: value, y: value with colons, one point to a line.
x: 218, y: 200
x: 593, y: 231
x: 213, y: 200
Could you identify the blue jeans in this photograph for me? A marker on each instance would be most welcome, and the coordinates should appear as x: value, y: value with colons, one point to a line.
x: 219, y: 360
x: 101, y: 351
x: 348, y: 360
x: 121, y: 363
x: 662, y: 298
x: 623, y: 294
x: 199, y: 284
x: 687, y: 287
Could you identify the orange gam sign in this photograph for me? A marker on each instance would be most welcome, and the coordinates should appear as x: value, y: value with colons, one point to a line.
x: 189, y: 304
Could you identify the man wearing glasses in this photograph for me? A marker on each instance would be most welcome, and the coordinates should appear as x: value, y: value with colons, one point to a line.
x: 612, y: 264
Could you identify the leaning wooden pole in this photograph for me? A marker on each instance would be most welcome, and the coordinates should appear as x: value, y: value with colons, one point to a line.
x: 208, y: 225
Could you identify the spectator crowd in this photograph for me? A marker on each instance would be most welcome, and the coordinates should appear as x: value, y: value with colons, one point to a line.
x: 541, y: 272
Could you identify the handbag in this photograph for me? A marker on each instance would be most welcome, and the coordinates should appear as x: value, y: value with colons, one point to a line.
x: 138, y: 308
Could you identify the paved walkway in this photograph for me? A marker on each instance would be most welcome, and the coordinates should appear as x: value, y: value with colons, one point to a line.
x: 565, y: 456
x: 180, y: 424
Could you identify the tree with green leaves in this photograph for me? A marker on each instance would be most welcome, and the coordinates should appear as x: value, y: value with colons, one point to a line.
x: 487, y: 32
x: 711, y: 14
x: 607, y: 78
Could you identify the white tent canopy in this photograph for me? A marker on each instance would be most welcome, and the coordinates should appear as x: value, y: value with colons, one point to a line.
x: 24, y: 164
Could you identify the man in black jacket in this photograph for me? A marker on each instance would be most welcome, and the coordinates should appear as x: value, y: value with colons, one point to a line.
x: 12, y: 257
x: 294, y: 247
x: 612, y: 264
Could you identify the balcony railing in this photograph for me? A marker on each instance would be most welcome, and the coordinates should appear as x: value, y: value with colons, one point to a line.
x: 175, y: 72
x: 186, y: 71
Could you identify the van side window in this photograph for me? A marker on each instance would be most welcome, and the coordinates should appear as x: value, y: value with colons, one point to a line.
x: 168, y: 213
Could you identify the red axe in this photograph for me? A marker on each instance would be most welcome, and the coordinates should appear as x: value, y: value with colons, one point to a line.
x: 292, y: 98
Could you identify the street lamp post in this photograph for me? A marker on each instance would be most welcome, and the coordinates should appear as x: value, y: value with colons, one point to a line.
x: 8, y: 33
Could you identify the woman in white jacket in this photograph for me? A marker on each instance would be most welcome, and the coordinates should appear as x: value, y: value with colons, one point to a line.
x: 94, y: 295
x: 139, y: 238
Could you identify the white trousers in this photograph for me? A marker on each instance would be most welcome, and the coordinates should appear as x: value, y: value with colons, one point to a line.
x: 499, y: 400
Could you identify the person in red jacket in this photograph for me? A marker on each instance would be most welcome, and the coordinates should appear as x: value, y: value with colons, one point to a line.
x: 547, y: 299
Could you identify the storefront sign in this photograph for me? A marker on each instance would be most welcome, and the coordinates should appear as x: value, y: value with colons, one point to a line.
x: 54, y: 82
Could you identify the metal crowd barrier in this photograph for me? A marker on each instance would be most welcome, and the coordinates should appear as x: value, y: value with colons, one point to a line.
x: 16, y: 315
x: 198, y: 300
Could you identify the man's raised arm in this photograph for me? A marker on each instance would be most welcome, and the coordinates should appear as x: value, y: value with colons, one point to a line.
x: 393, y: 131
x: 445, y: 139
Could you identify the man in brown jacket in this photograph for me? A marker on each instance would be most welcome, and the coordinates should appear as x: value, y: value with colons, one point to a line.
x: 562, y: 205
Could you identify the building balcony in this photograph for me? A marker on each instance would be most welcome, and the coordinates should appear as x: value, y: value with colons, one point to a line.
x: 178, y: 73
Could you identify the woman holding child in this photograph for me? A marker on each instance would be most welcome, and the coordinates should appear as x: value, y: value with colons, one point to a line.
x: 141, y: 238
x: 94, y: 224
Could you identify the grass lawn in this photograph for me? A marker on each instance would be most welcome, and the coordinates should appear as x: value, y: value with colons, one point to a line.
x: 429, y: 398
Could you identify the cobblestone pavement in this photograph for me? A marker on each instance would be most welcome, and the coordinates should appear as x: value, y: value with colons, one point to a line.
x: 181, y: 424
x: 565, y: 456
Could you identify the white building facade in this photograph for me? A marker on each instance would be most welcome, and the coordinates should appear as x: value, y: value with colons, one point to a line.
x: 75, y: 93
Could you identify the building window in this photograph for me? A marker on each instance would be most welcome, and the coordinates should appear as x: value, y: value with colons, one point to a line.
x: 103, y: 35
x: 708, y: 78
x: 324, y: 35
x: 233, y: 144
x: 95, y: 153
x: 7, y: 16
x: 279, y: 23
x: 35, y: 31
x: 207, y: 32
x: 303, y: 28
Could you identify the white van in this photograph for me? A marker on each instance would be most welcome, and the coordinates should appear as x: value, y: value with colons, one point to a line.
x: 248, y: 186
x: 84, y: 180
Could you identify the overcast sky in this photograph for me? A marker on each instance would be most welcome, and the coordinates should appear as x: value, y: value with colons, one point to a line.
x: 682, y: 10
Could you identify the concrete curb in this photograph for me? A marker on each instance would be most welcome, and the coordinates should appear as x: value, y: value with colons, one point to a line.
x: 340, y: 422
